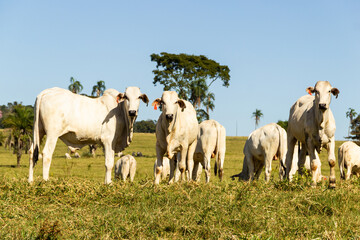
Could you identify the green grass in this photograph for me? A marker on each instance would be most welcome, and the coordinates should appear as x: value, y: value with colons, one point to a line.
x: 76, y: 204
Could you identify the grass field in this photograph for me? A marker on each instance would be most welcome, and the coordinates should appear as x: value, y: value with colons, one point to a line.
x: 76, y: 204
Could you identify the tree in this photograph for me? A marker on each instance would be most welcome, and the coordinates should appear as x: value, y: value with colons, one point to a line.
x: 257, y: 115
x: 148, y: 126
x: 283, y: 124
x: 351, y: 114
x: 191, y: 77
x: 20, y: 120
x: 98, y: 89
x: 75, y: 86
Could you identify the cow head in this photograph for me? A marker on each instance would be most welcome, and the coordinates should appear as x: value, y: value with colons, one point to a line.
x: 323, y: 91
x: 170, y: 103
x: 132, y: 98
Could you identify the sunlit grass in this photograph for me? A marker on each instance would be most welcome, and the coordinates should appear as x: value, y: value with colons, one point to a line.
x: 75, y: 203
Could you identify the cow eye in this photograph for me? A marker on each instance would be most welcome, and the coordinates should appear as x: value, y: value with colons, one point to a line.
x: 126, y: 97
x: 162, y: 102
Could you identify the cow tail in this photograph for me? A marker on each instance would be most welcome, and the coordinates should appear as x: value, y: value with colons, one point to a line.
x: 341, y: 162
x: 36, y: 133
x: 281, y: 147
x: 217, y: 160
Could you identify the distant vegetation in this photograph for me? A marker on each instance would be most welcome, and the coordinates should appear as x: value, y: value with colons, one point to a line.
x: 191, y: 77
x: 148, y: 126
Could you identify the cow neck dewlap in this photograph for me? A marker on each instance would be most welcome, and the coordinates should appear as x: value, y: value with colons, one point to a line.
x: 174, y: 123
x: 128, y: 123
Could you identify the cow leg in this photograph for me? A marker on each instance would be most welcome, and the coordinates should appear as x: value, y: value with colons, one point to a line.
x: 159, y: 164
x: 315, y: 163
x: 195, y: 170
x: 207, y: 166
x: 250, y: 165
x: 268, y: 160
x: 132, y: 171
x: 31, y: 155
x: 47, y: 154
x: 31, y: 164
x: 109, y: 162
x: 289, y: 156
x: 302, y: 159
x: 258, y: 169
x: 332, y: 162
x: 190, y: 158
x: 182, y: 162
x: 348, y: 173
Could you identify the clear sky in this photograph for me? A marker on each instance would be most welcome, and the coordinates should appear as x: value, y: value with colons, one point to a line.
x: 274, y: 49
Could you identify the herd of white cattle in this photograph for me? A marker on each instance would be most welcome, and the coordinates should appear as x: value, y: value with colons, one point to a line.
x: 182, y: 144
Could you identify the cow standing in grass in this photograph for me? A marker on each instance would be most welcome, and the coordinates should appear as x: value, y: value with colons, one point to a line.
x: 176, y: 131
x: 211, y: 142
x: 312, y: 123
x: 259, y: 150
x: 79, y: 121
x: 349, y: 158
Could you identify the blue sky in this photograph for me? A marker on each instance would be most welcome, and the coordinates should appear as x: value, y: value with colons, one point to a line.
x: 274, y: 49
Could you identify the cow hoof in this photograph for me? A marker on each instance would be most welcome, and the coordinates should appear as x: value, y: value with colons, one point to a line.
x: 313, y: 184
x: 332, y: 185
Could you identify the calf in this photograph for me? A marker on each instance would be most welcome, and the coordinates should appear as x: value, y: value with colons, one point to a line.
x: 125, y: 167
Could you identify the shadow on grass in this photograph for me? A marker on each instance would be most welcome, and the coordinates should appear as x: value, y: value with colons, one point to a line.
x: 12, y: 166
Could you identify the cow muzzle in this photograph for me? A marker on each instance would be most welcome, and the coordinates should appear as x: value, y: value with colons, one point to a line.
x: 322, y: 106
x: 132, y: 113
x: 169, y: 117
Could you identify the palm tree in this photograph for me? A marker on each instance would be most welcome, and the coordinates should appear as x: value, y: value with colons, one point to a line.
x: 257, y: 115
x: 20, y: 120
x: 98, y: 89
x: 75, y: 86
x: 351, y: 114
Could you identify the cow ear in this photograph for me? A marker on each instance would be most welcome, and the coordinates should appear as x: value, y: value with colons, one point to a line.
x: 335, y: 92
x: 181, y: 104
x: 156, y: 102
x: 144, y: 98
x: 120, y: 97
x: 310, y: 90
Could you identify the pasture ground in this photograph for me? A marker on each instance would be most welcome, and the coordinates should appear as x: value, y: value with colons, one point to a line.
x: 75, y: 203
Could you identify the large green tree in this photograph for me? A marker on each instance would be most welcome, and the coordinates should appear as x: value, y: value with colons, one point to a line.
x: 191, y: 77
x: 75, y: 86
x: 98, y: 89
x: 20, y: 120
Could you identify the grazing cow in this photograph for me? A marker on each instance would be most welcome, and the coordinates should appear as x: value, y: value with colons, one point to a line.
x: 349, y: 157
x: 211, y: 142
x: 312, y: 123
x: 176, y: 131
x: 259, y: 150
x: 125, y: 167
x: 79, y: 120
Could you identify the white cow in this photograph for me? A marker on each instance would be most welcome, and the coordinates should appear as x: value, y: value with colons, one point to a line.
x: 211, y: 142
x: 312, y: 123
x: 79, y: 120
x: 259, y: 150
x: 176, y: 131
x: 125, y: 167
x: 349, y: 157
x: 166, y: 168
